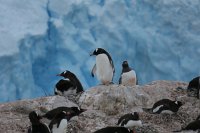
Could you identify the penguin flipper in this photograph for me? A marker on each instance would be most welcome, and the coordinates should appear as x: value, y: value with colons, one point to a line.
x: 120, y: 80
x: 93, y: 70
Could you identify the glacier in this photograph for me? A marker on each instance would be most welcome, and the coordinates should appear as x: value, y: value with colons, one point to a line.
x: 41, y: 38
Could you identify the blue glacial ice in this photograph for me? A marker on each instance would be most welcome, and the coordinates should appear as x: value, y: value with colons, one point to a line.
x: 41, y: 38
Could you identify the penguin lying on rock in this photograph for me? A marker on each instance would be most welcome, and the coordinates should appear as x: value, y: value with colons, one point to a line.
x: 59, y: 122
x: 164, y: 106
x: 74, y: 111
x: 69, y: 85
x: 130, y: 120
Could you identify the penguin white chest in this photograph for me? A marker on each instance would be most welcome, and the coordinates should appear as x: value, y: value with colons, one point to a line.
x: 128, y: 78
x: 104, y: 70
x: 132, y: 123
x: 62, y: 127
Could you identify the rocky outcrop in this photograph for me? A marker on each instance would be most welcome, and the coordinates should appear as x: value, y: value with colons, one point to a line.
x: 105, y: 104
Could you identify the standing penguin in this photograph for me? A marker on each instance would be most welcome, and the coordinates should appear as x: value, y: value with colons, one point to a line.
x: 104, y: 67
x: 130, y: 120
x: 114, y: 130
x: 36, y: 125
x: 164, y: 106
x: 70, y: 84
x: 193, y: 88
x: 59, y: 122
x: 128, y: 75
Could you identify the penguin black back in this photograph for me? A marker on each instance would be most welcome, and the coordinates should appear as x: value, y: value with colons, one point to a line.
x: 63, y: 85
x: 72, y: 77
x: 72, y: 110
x: 114, y: 130
x: 194, y: 87
x: 36, y: 125
x: 195, y: 125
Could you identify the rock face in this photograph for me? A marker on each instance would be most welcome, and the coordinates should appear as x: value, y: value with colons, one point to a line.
x: 105, y: 104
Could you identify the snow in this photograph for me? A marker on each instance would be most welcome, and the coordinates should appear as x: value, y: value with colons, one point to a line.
x: 41, y: 38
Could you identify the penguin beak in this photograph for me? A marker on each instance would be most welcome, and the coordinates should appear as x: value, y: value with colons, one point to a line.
x: 58, y: 74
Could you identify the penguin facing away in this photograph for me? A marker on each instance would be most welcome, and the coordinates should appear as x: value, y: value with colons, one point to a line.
x: 72, y: 85
x: 164, y: 106
x: 36, y: 125
x: 128, y: 75
x: 74, y: 111
x: 114, y: 130
x: 64, y: 87
x: 130, y: 120
x: 104, y: 67
x: 193, y: 88
x: 59, y: 122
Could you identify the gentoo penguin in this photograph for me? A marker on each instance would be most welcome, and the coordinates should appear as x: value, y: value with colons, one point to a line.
x: 114, y: 130
x: 64, y: 87
x: 128, y: 75
x: 130, y: 120
x: 104, y: 67
x: 194, y: 125
x: 164, y: 106
x: 36, y: 125
x: 193, y: 88
x: 69, y: 85
x: 59, y: 122
x: 74, y: 111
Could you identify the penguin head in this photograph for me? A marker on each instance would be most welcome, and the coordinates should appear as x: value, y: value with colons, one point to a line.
x: 178, y: 103
x: 125, y: 64
x: 98, y: 51
x: 65, y: 74
x: 34, y: 117
x: 135, y: 115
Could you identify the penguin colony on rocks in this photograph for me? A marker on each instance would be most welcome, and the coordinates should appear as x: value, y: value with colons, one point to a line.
x: 104, y: 70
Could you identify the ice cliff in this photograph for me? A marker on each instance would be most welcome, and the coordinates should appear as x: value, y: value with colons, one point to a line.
x: 41, y: 38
